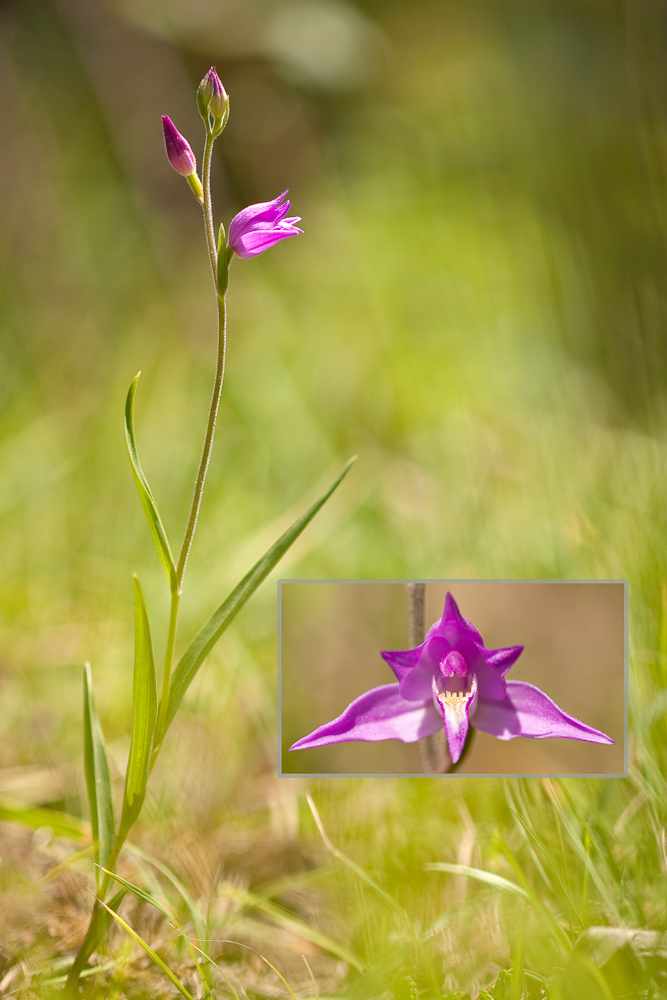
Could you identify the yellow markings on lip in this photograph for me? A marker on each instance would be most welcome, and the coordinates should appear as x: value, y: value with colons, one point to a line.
x: 454, y: 699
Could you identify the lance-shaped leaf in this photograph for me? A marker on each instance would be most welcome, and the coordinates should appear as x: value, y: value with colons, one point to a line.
x: 141, y: 893
x: 203, y: 968
x: 147, y: 499
x: 98, y: 780
x: 99, y: 925
x: 292, y: 923
x: 211, y: 631
x: 149, y: 951
x: 61, y: 824
x: 144, y: 712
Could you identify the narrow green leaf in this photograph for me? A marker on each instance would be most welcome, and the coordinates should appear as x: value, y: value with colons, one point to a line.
x: 60, y: 823
x: 209, y: 633
x: 145, y: 494
x: 193, y: 909
x: 141, y: 893
x: 287, y: 920
x: 497, y: 881
x: 97, y: 928
x: 149, y: 951
x: 202, y: 967
x: 98, y: 780
x: 145, y: 714
x: 95, y: 970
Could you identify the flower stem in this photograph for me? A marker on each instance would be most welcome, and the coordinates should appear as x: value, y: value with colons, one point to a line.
x: 432, y: 748
x: 219, y: 371
x: 207, y: 206
x: 417, y: 614
x: 92, y: 936
x: 177, y: 588
x: 208, y: 443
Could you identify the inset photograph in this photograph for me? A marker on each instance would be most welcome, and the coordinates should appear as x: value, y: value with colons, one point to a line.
x: 461, y: 677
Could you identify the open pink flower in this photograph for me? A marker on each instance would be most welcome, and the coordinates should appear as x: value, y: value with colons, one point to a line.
x: 258, y: 227
x: 452, y: 681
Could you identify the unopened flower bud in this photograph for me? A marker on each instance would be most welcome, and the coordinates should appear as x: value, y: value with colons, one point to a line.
x: 211, y: 95
x: 179, y: 153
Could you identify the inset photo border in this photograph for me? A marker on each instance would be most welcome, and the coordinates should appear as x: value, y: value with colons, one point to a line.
x: 495, y: 659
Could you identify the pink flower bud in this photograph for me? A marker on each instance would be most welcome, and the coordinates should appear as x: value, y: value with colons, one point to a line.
x: 212, y: 94
x: 179, y: 153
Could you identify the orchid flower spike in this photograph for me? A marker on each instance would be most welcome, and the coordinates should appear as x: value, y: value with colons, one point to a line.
x: 452, y: 681
x: 258, y: 227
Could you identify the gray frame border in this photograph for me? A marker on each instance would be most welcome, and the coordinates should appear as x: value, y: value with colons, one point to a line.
x: 452, y: 777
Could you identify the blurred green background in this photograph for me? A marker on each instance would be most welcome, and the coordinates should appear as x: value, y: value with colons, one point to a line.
x: 476, y: 308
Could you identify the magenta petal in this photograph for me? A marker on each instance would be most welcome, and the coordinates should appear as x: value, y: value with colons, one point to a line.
x: 379, y: 714
x: 451, y: 614
x: 501, y: 659
x: 402, y: 661
x: 491, y: 684
x: 252, y: 244
x: 416, y: 683
x: 527, y: 711
x: 263, y: 211
x: 260, y: 226
x: 456, y: 721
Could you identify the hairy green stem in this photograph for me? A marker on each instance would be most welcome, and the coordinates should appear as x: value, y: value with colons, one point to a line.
x: 431, y: 748
x: 177, y: 589
x: 166, y: 677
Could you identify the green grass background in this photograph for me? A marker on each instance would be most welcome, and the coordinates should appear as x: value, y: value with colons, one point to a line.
x: 477, y: 309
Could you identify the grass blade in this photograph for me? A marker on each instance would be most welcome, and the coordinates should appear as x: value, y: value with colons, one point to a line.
x: 357, y: 869
x: 497, y: 881
x: 193, y: 909
x: 149, y: 951
x: 98, y: 779
x: 203, y: 968
x: 145, y: 714
x: 285, y: 919
x: 99, y: 925
x: 61, y: 824
x: 209, y: 633
x: 141, y: 893
x: 145, y: 494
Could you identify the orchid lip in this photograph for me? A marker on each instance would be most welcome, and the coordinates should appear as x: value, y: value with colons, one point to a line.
x: 452, y: 693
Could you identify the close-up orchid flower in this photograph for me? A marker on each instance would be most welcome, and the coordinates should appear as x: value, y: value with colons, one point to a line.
x: 451, y: 681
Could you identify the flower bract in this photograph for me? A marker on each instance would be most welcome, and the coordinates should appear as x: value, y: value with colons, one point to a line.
x: 258, y: 227
x: 452, y: 681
